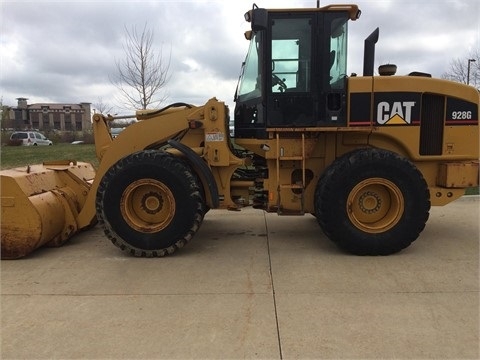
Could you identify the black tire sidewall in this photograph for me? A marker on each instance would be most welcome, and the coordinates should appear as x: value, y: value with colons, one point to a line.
x: 348, y: 171
x: 170, y: 171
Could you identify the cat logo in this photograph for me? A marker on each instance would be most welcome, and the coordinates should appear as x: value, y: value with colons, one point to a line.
x: 396, y: 113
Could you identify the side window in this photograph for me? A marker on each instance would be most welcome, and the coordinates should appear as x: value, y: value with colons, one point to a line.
x: 291, y: 54
x: 338, y: 53
x: 38, y: 136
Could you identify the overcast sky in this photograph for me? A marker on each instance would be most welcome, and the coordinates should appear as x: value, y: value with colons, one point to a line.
x: 65, y: 51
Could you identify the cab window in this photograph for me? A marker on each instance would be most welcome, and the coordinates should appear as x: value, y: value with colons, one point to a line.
x: 291, y: 55
x: 338, y: 52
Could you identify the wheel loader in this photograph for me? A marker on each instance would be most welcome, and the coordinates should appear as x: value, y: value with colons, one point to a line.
x: 366, y: 155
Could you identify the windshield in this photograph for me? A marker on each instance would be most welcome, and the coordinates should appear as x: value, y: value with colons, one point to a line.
x: 250, y: 81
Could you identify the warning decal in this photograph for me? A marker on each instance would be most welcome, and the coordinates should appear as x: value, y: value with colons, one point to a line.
x: 214, y: 136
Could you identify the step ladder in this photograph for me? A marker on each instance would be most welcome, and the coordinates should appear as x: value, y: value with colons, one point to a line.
x: 297, y: 186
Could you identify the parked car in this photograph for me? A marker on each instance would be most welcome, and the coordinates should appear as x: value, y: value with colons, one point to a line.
x: 30, y: 138
x: 116, y: 131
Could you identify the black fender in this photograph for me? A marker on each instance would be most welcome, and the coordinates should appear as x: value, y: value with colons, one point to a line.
x: 202, y: 168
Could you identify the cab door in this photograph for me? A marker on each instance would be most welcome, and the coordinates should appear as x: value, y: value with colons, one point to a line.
x: 306, y: 77
x: 290, y: 94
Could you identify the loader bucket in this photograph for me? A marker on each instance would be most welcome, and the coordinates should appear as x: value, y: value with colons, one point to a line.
x: 40, y: 204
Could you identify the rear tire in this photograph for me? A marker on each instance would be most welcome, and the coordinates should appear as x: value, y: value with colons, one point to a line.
x: 372, y: 202
x: 150, y: 204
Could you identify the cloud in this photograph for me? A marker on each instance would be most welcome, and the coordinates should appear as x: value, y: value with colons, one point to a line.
x: 65, y: 51
x: 428, y: 34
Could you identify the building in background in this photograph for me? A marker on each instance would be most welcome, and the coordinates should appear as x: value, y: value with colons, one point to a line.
x: 47, y: 116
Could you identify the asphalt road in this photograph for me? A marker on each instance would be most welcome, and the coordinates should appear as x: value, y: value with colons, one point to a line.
x: 250, y: 285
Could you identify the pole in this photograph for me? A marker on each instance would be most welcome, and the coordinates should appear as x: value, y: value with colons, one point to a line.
x: 468, y: 70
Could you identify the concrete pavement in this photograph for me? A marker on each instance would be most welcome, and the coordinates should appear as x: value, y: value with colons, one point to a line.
x: 250, y: 285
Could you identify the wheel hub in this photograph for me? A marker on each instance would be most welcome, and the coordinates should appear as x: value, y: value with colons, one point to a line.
x: 152, y: 203
x: 147, y: 205
x: 375, y: 205
x: 369, y: 202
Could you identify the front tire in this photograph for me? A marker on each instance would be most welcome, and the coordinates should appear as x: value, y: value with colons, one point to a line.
x: 150, y: 204
x: 372, y: 202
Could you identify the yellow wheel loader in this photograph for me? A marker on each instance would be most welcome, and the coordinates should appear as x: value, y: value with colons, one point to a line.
x: 366, y: 155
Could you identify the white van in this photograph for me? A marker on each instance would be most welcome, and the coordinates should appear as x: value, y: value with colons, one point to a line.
x: 31, y: 138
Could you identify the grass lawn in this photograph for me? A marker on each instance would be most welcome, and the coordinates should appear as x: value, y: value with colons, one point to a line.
x: 14, y: 156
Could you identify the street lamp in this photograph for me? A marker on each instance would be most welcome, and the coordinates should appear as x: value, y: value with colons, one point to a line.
x: 468, y: 70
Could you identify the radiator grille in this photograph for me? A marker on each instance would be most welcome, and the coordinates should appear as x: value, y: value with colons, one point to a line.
x: 431, y: 124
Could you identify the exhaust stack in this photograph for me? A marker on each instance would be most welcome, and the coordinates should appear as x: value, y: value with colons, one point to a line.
x: 369, y: 53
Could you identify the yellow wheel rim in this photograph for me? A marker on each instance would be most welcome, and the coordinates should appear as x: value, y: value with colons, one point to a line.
x: 375, y: 205
x: 147, y: 205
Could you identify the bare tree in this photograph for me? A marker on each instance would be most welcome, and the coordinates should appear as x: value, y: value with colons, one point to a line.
x: 465, y: 70
x: 101, y: 107
x: 143, y: 73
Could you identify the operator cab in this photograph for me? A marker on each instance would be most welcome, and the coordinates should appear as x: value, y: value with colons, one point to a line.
x: 294, y: 74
